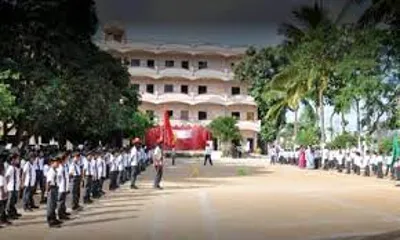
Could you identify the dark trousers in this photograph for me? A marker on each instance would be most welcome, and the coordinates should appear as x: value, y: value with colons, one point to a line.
x: 173, y: 160
x: 134, y: 174
x: 96, y: 188
x: 273, y: 160
x: 101, y: 184
x: 207, y: 157
x: 388, y: 168
x: 88, y: 188
x: 42, y: 198
x: 39, y: 182
x: 113, y: 180
x: 11, y: 202
x: 367, y: 171
x: 3, y: 215
x: 62, y: 209
x: 76, y: 192
x: 28, y: 198
x: 159, y: 174
x: 52, y: 196
x: 317, y: 163
x: 128, y: 173
x: 348, y: 167
x: 122, y: 177
x: 379, y: 170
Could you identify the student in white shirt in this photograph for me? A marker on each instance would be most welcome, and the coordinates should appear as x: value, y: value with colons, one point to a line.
x: 62, y: 183
x: 379, y: 165
x: 101, y: 166
x: 357, y: 163
x: 207, y: 155
x: 29, y: 180
x: 76, y: 176
x: 96, y: 176
x: 158, y: 164
x: 134, y: 156
x: 3, y: 196
x: 128, y: 167
x: 40, y: 182
x: 13, y: 185
x: 121, y: 168
x: 367, y: 163
x: 52, y: 192
x: 88, y: 176
x: 46, y: 167
x: 113, y: 171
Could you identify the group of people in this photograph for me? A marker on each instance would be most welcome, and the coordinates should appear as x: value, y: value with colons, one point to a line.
x: 60, y: 174
x: 349, y: 161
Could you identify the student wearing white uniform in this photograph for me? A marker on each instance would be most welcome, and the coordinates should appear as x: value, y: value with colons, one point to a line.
x: 29, y: 180
x: 128, y: 167
x: 39, y: 166
x: 101, y: 166
x: 88, y: 176
x: 207, y: 154
x: 46, y: 167
x: 113, y: 171
x: 3, y: 196
x: 348, y: 162
x: 96, y: 177
x: 52, y: 192
x: 379, y: 163
x: 63, y: 187
x: 13, y: 185
x: 158, y: 164
x: 366, y: 163
x: 134, y: 156
x: 75, y: 174
x: 357, y: 163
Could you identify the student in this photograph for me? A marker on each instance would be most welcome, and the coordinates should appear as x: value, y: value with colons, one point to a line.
x: 379, y: 162
x: 348, y: 162
x: 101, y: 166
x: 158, y: 164
x: 366, y: 164
x: 207, y: 154
x: 76, y: 176
x: 62, y: 183
x: 3, y: 196
x: 52, y: 192
x: 134, y: 156
x: 29, y: 179
x: 88, y: 176
x: 173, y: 155
x: 357, y: 163
x: 39, y: 166
x: 96, y: 177
x: 127, y: 163
x: 13, y: 185
x: 46, y: 167
x: 113, y: 171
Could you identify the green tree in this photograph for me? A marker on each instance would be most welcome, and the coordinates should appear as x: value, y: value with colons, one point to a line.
x: 226, y: 131
x: 139, y: 124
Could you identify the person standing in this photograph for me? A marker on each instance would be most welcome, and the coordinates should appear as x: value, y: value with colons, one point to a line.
x: 13, y: 185
x: 127, y: 164
x: 88, y: 176
x: 134, y: 156
x: 158, y: 164
x: 207, y: 154
x: 310, y: 158
x: 29, y: 180
x: 62, y: 183
x: 379, y: 168
x: 46, y: 167
x: 101, y: 166
x: 52, y: 193
x: 302, y: 157
x: 3, y: 196
x: 173, y: 155
x: 75, y: 174
x: 39, y: 166
x: 113, y: 171
x: 96, y: 177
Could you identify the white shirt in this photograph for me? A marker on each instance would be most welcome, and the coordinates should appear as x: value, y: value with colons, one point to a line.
x: 14, y: 181
x: 4, y: 187
x: 208, y: 150
x: 357, y: 160
x: 134, y: 156
x: 62, y: 179
x: 51, y: 177
x: 87, y: 167
x: 75, y: 170
x: 29, y: 174
x: 120, y: 162
x: 95, y: 170
x: 45, y: 169
x: 157, y: 155
x: 23, y: 162
x: 113, y: 163
x: 101, y: 167
x: 126, y: 159
x: 39, y: 164
x: 379, y: 159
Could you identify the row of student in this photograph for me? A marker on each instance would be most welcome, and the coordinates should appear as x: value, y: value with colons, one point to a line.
x: 65, y: 174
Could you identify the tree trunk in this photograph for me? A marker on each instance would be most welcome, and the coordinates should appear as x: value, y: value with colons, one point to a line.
x: 296, y: 123
x: 331, y: 123
x: 343, y: 122
x: 358, y: 124
x: 322, y: 120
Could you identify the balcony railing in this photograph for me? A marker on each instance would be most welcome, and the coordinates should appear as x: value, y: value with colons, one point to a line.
x: 192, y: 99
x: 192, y: 74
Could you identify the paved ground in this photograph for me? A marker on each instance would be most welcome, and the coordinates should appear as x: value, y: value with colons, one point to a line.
x: 269, y: 202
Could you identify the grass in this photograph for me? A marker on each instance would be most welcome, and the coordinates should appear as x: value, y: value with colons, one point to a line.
x: 241, y: 171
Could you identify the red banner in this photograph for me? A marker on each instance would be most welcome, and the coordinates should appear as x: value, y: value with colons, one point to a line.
x: 186, y: 137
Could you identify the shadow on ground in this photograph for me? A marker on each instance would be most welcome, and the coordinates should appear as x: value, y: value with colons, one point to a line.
x: 394, y: 235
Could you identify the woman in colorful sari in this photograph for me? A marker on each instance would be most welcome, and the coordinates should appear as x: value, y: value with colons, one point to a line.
x: 302, y: 157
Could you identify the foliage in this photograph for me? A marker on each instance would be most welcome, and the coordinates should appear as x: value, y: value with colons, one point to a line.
x: 225, y: 129
x: 140, y: 122
x: 8, y: 106
x: 344, y: 141
x: 386, y: 145
x: 67, y: 87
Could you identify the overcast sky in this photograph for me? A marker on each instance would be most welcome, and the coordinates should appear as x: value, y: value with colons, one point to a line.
x: 232, y: 22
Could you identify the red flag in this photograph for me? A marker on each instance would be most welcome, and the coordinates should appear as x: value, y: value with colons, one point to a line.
x: 168, y: 134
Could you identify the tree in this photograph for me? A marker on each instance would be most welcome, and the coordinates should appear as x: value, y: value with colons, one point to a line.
x: 344, y: 141
x: 140, y: 122
x: 226, y: 131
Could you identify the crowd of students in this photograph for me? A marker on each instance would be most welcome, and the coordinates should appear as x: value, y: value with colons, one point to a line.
x: 348, y: 161
x: 57, y: 175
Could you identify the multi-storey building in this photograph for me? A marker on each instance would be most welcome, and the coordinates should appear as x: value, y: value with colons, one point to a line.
x: 195, y: 83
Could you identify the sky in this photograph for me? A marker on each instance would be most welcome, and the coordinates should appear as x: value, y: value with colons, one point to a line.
x: 222, y: 22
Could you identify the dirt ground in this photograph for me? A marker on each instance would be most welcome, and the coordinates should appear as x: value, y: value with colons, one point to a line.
x: 232, y: 202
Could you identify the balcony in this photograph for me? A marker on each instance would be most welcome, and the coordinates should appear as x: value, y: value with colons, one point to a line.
x: 192, y: 99
x: 156, y: 73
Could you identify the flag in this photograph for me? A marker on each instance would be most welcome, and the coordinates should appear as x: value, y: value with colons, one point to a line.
x: 168, y: 135
x: 396, y: 149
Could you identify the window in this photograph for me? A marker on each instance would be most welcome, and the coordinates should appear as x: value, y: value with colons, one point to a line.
x: 202, y: 89
x: 169, y: 63
x: 136, y: 86
x: 170, y: 113
x: 150, y: 88
x: 235, y: 90
x: 184, y: 115
x: 185, y: 89
x: 150, y: 113
x: 236, y: 115
x: 185, y: 64
x: 202, y: 64
x: 202, y: 115
x: 168, y: 88
x: 135, y: 62
x: 250, y: 116
x: 150, y: 63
